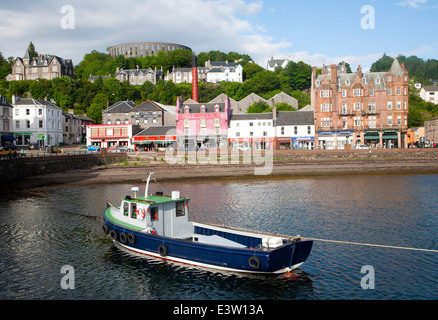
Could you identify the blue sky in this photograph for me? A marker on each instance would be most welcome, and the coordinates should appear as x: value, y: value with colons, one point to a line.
x: 314, y: 31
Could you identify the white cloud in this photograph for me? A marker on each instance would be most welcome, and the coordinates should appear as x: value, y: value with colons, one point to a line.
x: 202, y: 25
x: 412, y: 3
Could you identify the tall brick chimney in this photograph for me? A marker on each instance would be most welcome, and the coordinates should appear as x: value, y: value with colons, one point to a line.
x: 334, y: 74
x: 194, y: 79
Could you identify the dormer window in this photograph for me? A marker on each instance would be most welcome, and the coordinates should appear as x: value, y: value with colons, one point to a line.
x: 377, y: 80
x: 347, y: 82
x: 203, y: 109
x: 216, y: 108
x: 186, y: 109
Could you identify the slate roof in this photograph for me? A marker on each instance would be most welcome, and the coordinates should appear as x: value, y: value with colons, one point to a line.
x: 430, y: 88
x: 120, y: 107
x: 252, y: 116
x: 157, y: 131
x: 295, y: 118
x: 209, y: 107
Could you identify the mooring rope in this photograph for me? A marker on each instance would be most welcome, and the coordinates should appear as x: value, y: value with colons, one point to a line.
x: 372, y: 245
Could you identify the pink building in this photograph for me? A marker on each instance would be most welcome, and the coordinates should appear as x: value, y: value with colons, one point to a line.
x: 202, y: 126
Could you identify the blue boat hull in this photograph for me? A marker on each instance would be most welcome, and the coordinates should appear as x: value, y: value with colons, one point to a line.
x: 248, y: 259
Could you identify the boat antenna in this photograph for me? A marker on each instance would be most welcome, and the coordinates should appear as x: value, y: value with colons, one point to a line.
x: 147, y: 184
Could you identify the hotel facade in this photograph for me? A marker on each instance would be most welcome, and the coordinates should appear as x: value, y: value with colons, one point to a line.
x: 352, y: 109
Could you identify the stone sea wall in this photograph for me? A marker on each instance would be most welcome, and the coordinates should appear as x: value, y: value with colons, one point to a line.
x: 16, y: 169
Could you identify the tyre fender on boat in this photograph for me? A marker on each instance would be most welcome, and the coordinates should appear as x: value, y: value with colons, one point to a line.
x: 131, y: 238
x: 254, y: 262
x: 113, y: 234
x: 105, y: 228
x: 123, y: 238
x: 162, y: 250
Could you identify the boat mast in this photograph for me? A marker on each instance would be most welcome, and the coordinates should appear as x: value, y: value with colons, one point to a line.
x: 147, y: 184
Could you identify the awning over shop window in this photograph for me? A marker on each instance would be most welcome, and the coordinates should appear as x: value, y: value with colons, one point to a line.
x: 8, y: 138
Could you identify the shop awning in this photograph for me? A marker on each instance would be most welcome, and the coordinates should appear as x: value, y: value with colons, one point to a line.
x: 8, y: 138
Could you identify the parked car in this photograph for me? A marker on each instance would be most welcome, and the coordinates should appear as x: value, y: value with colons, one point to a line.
x: 241, y: 148
x: 9, y: 146
x: 33, y: 146
x: 120, y: 149
x: 93, y: 148
x: 361, y: 146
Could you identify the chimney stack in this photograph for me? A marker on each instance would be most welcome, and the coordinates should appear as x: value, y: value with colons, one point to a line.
x: 194, y: 79
x: 334, y: 74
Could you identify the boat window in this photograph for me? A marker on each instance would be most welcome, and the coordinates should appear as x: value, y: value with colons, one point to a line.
x: 134, y: 210
x: 180, y: 209
x: 126, y: 208
x: 154, y: 213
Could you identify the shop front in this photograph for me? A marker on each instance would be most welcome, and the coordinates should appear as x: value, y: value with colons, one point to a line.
x: 334, y: 140
x: 202, y: 142
x: 154, y: 143
x: 303, y: 143
x: 283, y: 143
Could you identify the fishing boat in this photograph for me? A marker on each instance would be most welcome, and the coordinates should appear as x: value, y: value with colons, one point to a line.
x: 158, y: 225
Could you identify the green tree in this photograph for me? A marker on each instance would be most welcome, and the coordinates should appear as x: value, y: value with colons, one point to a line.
x: 95, y: 109
x: 258, y: 107
x: 299, y: 75
x: 32, y: 50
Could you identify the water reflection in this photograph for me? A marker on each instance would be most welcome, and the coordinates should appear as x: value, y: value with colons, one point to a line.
x: 41, y: 235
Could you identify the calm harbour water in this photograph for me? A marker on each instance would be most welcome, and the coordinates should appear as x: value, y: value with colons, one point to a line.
x: 41, y: 235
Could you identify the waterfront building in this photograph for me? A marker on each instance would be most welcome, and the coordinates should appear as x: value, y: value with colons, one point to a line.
x: 295, y: 130
x: 184, y: 75
x: 415, y: 135
x: 146, y: 114
x: 143, y: 49
x: 156, y: 138
x: 228, y: 73
x: 6, y: 110
x: 276, y: 130
x: 42, y: 67
x: 202, y: 125
x: 74, y: 127
x: 430, y: 130
x: 37, y: 121
x: 111, y: 135
x: 429, y: 94
x: 252, y: 131
x: 356, y: 108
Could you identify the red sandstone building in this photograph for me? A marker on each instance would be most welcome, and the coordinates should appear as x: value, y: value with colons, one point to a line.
x: 353, y: 109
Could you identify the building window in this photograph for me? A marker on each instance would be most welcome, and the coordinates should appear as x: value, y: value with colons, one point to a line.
x: 389, y: 79
x: 344, y: 122
x: 282, y: 130
x: 40, y: 123
x: 250, y: 124
x: 186, y: 109
x: 265, y: 133
x: 398, y: 91
x: 389, y: 91
x: 398, y: 105
x: 389, y: 105
x: 399, y: 120
x: 371, y: 92
x: 237, y: 134
x: 372, y: 122
x: 27, y: 124
x: 389, y: 120
x: 17, y: 124
x: 309, y: 130
x: 202, y: 109
x: 295, y: 130
x: 216, y: 108
x: 344, y: 93
x: 27, y: 112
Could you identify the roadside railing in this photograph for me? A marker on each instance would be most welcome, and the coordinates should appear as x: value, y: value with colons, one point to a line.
x: 20, y: 154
